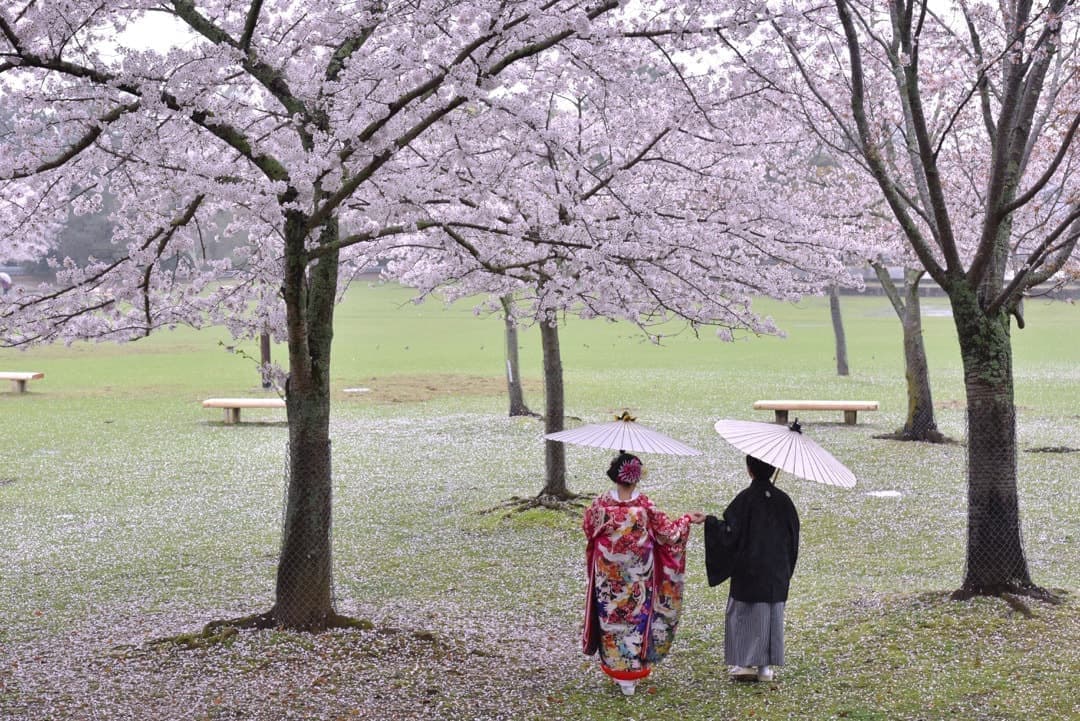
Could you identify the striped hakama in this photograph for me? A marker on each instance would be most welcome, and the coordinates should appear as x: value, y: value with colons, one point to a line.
x: 754, y: 633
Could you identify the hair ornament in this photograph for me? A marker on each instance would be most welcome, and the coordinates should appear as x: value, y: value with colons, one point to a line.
x: 630, y: 472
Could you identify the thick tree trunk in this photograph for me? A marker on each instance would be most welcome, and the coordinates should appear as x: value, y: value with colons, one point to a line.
x: 304, y: 575
x: 838, y: 331
x: 995, y: 554
x: 513, y: 373
x: 554, y: 410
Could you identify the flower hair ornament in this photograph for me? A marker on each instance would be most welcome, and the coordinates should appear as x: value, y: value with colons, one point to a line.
x: 630, y: 472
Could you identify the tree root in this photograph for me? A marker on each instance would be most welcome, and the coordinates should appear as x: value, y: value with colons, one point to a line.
x: 572, y: 504
x: 1014, y: 594
x: 223, y: 630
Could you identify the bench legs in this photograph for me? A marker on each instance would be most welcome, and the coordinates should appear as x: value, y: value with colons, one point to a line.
x: 232, y: 416
x: 849, y: 417
x: 19, y: 386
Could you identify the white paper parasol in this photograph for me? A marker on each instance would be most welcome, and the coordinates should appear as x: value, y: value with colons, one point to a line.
x: 623, y: 434
x: 788, y: 449
x: 5, y: 282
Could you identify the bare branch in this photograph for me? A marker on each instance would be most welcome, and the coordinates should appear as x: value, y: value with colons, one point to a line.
x: 888, y: 286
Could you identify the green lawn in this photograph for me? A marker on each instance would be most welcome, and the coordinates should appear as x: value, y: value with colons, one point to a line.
x: 129, y: 513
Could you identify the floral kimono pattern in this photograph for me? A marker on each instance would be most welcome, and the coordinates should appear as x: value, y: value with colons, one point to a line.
x: 636, y: 566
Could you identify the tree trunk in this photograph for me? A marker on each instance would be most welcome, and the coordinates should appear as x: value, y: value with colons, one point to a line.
x: 513, y: 372
x: 920, y: 423
x: 838, y: 331
x: 264, y: 359
x: 995, y: 554
x: 304, y: 575
x: 554, y: 410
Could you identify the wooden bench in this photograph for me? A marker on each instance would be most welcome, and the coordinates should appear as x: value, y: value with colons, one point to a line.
x: 850, y: 408
x: 18, y: 378
x: 232, y: 406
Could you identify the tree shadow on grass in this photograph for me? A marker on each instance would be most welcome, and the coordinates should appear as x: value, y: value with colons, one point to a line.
x: 934, y: 437
x: 245, y: 424
x: 1052, y: 449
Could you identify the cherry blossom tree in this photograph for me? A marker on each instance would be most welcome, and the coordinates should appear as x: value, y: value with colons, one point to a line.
x: 623, y: 208
x: 881, y: 247
x: 302, y: 123
x: 963, y: 116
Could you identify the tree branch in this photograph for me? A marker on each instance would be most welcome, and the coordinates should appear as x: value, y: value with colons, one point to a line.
x: 230, y: 135
x: 9, y: 33
x: 888, y: 287
x: 250, y: 22
x: 1026, y: 276
x: 939, y: 209
x: 357, y: 238
x: 873, y: 156
x: 354, y: 182
x: 266, y: 75
x: 541, y: 45
x: 162, y: 235
x: 625, y: 166
x: 983, y: 83
x: 165, y: 235
x: 1039, y: 184
x: 79, y: 145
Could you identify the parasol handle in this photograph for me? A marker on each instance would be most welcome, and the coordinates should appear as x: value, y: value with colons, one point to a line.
x: 795, y: 426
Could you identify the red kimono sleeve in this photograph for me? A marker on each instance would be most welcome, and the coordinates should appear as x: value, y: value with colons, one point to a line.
x: 667, y: 531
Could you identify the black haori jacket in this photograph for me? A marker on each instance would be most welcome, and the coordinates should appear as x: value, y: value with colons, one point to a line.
x: 756, y: 544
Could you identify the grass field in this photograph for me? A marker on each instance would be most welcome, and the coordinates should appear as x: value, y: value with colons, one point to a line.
x: 128, y: 513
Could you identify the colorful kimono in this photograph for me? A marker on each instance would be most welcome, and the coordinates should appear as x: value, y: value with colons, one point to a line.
x: 636, y: 564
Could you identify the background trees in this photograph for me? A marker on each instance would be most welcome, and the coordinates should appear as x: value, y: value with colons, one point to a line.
x: 620, y: 206
x: 297, y: 120
x: 529, y: 148
x: 309, y: 132
x: 964, y: 120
